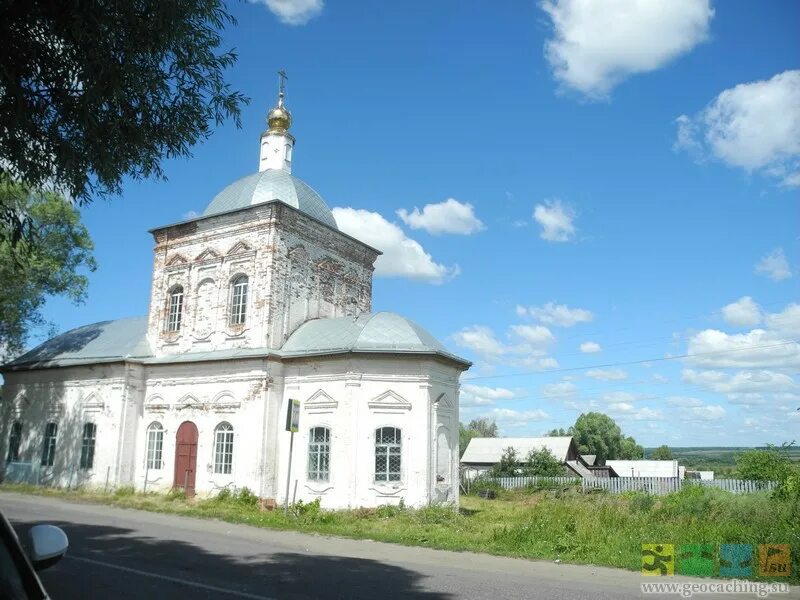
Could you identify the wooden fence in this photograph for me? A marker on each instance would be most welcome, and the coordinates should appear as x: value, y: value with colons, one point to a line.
x: 617, y: 485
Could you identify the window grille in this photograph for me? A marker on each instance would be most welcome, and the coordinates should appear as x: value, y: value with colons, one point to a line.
x: 87, y: 445
x: 238, y: 313
x: 49, y: 445
x: 14, y: 442
x: 319, y: 453
x: 223, y: 449
x: 175, y: 309
x: 387, y: 454
x: 155, y: 443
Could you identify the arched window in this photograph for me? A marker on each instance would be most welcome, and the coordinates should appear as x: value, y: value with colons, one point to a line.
x: 319, y: 453
x: 49, y: 444
x: 14, y: 441
x: 155, y: 442
x: 387, y: 454
x: 175, y: 308
x: 87, y: 445
x: 238, y: 312
x: 223, y: 449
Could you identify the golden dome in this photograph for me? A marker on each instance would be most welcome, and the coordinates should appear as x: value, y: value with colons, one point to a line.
x: 279, y: 118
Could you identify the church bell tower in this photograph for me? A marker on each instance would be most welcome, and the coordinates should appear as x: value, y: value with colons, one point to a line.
x: 277, y: 143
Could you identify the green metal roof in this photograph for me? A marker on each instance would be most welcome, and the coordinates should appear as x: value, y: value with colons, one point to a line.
x: 99, y: 342
x: 370, y: 332
x: 272, y: 184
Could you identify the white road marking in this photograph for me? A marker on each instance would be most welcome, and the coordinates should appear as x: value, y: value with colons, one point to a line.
x: 211, y: 588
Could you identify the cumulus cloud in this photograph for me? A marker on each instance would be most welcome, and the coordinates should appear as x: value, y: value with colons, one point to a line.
x: 293, y: 12
x: 596, y: 45
x: 556, y: 220
x: 684, y: 402
x: 785, y: 323
x: 607, y: 374
x: 538, y: 336
x: 402, y: 256
x: 559, y: 389
x: 559, y: 315
x: 626, y: 410
x: 742, y: 313
x: 712, y: 348
x: 709, y: 412
x: 774, y: 265
x: 753, y: 126
x: 505, y: 417
x: 590, y: 347
x: 740, y: 382
x: 478, y: 395
x: 480, y: 339
x: 450, y: 216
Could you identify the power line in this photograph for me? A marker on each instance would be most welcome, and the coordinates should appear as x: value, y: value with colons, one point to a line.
x: 630, y: 362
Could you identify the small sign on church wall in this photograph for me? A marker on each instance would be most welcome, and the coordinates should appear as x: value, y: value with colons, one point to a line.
x: 293, y: 416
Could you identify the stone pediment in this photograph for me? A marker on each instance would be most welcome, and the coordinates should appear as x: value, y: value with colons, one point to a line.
x: 321, y: 401
x: 92, y: 403
x: 207, y: 255
x: 389, y: 401
x: 239, y: 248
x: 444, y: 403
x: 176, y: 260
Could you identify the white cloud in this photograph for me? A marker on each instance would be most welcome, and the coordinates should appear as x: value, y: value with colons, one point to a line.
x: 560, y: 389
x: 478, y: 395
x: 622, y: 397
x: 758, y: 348
x: 607, y: 374
x: 480, y: 339
x: 774, y: 265
x: 754, y: 126
x: 537, y: 363
x: 192, y: 214
x: 684, y: 402
x: 629, y: 411
x: 556, y: 220
x: 785, y: 323
x: 402, y: 256
x: 450, y: 216
x: 590, y: 347
x: 710, y: 412
x: 505, y: 417
x: 537, y: 335
x: 742, y: 313
x: 596, y: 45
x: 659, y: 378
x: 560, y: 315
x: 293, y: 12
x: 740, y: 382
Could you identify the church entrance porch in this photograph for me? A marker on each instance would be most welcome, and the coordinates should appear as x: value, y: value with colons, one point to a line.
x: 186, y: 458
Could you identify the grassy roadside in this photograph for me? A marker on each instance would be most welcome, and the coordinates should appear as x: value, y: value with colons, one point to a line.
x: 595, y: 529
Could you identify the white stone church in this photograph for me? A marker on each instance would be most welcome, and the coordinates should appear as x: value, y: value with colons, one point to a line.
x: 259, y: 301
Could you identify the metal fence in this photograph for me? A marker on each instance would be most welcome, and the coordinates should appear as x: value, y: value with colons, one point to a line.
x: 617, y: 485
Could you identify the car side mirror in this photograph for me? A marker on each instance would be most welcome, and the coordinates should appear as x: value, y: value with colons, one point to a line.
x: 48, y: 545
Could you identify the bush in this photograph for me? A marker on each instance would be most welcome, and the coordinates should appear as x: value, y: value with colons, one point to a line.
x: 310, y: 510
x: 771, y: 464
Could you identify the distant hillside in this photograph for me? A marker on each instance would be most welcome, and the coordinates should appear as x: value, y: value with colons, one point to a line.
x: 715, y: 457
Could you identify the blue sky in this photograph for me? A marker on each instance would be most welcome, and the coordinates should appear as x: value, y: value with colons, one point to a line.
x: 594, y: 184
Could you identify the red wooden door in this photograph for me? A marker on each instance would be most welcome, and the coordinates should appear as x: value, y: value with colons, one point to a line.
x: 186, y: 457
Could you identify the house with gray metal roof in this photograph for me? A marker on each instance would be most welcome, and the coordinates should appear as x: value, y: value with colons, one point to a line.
x: 259, y: 364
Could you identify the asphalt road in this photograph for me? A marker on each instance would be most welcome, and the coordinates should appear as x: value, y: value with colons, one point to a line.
x: 128, y: 554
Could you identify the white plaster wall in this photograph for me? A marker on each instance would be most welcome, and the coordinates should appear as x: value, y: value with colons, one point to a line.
x: 69, y: 397
x: 354, y: 397
x: 207, y: 394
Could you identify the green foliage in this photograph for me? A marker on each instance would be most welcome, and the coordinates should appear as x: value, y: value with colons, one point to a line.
x: 477, y: 428
x: 542, y: 463
x: 771, y: 464
x: 789, y: 488
x: 598, y: 434
x: 107, y: 90
x: 661, y: 453
x: 47, y: 263
x: 309, y: 510
x: 241, y: 497
x: 125, y: 491
x: 560, y: 432
x: 176, y: 494
x: 509, y: 465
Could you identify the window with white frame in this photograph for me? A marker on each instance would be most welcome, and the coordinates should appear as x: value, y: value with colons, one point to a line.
x: 238, y: 312
x: 319, y: 453
x: 87, y: 445
x: 387, y: 454
x: 49, y: 444
x: 223, y: 449
x: 14, y: 442
x: 155, y: 444
x: 175, y: 308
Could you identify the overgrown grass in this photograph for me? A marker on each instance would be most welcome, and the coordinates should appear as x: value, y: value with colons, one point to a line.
x: 563, y: 524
